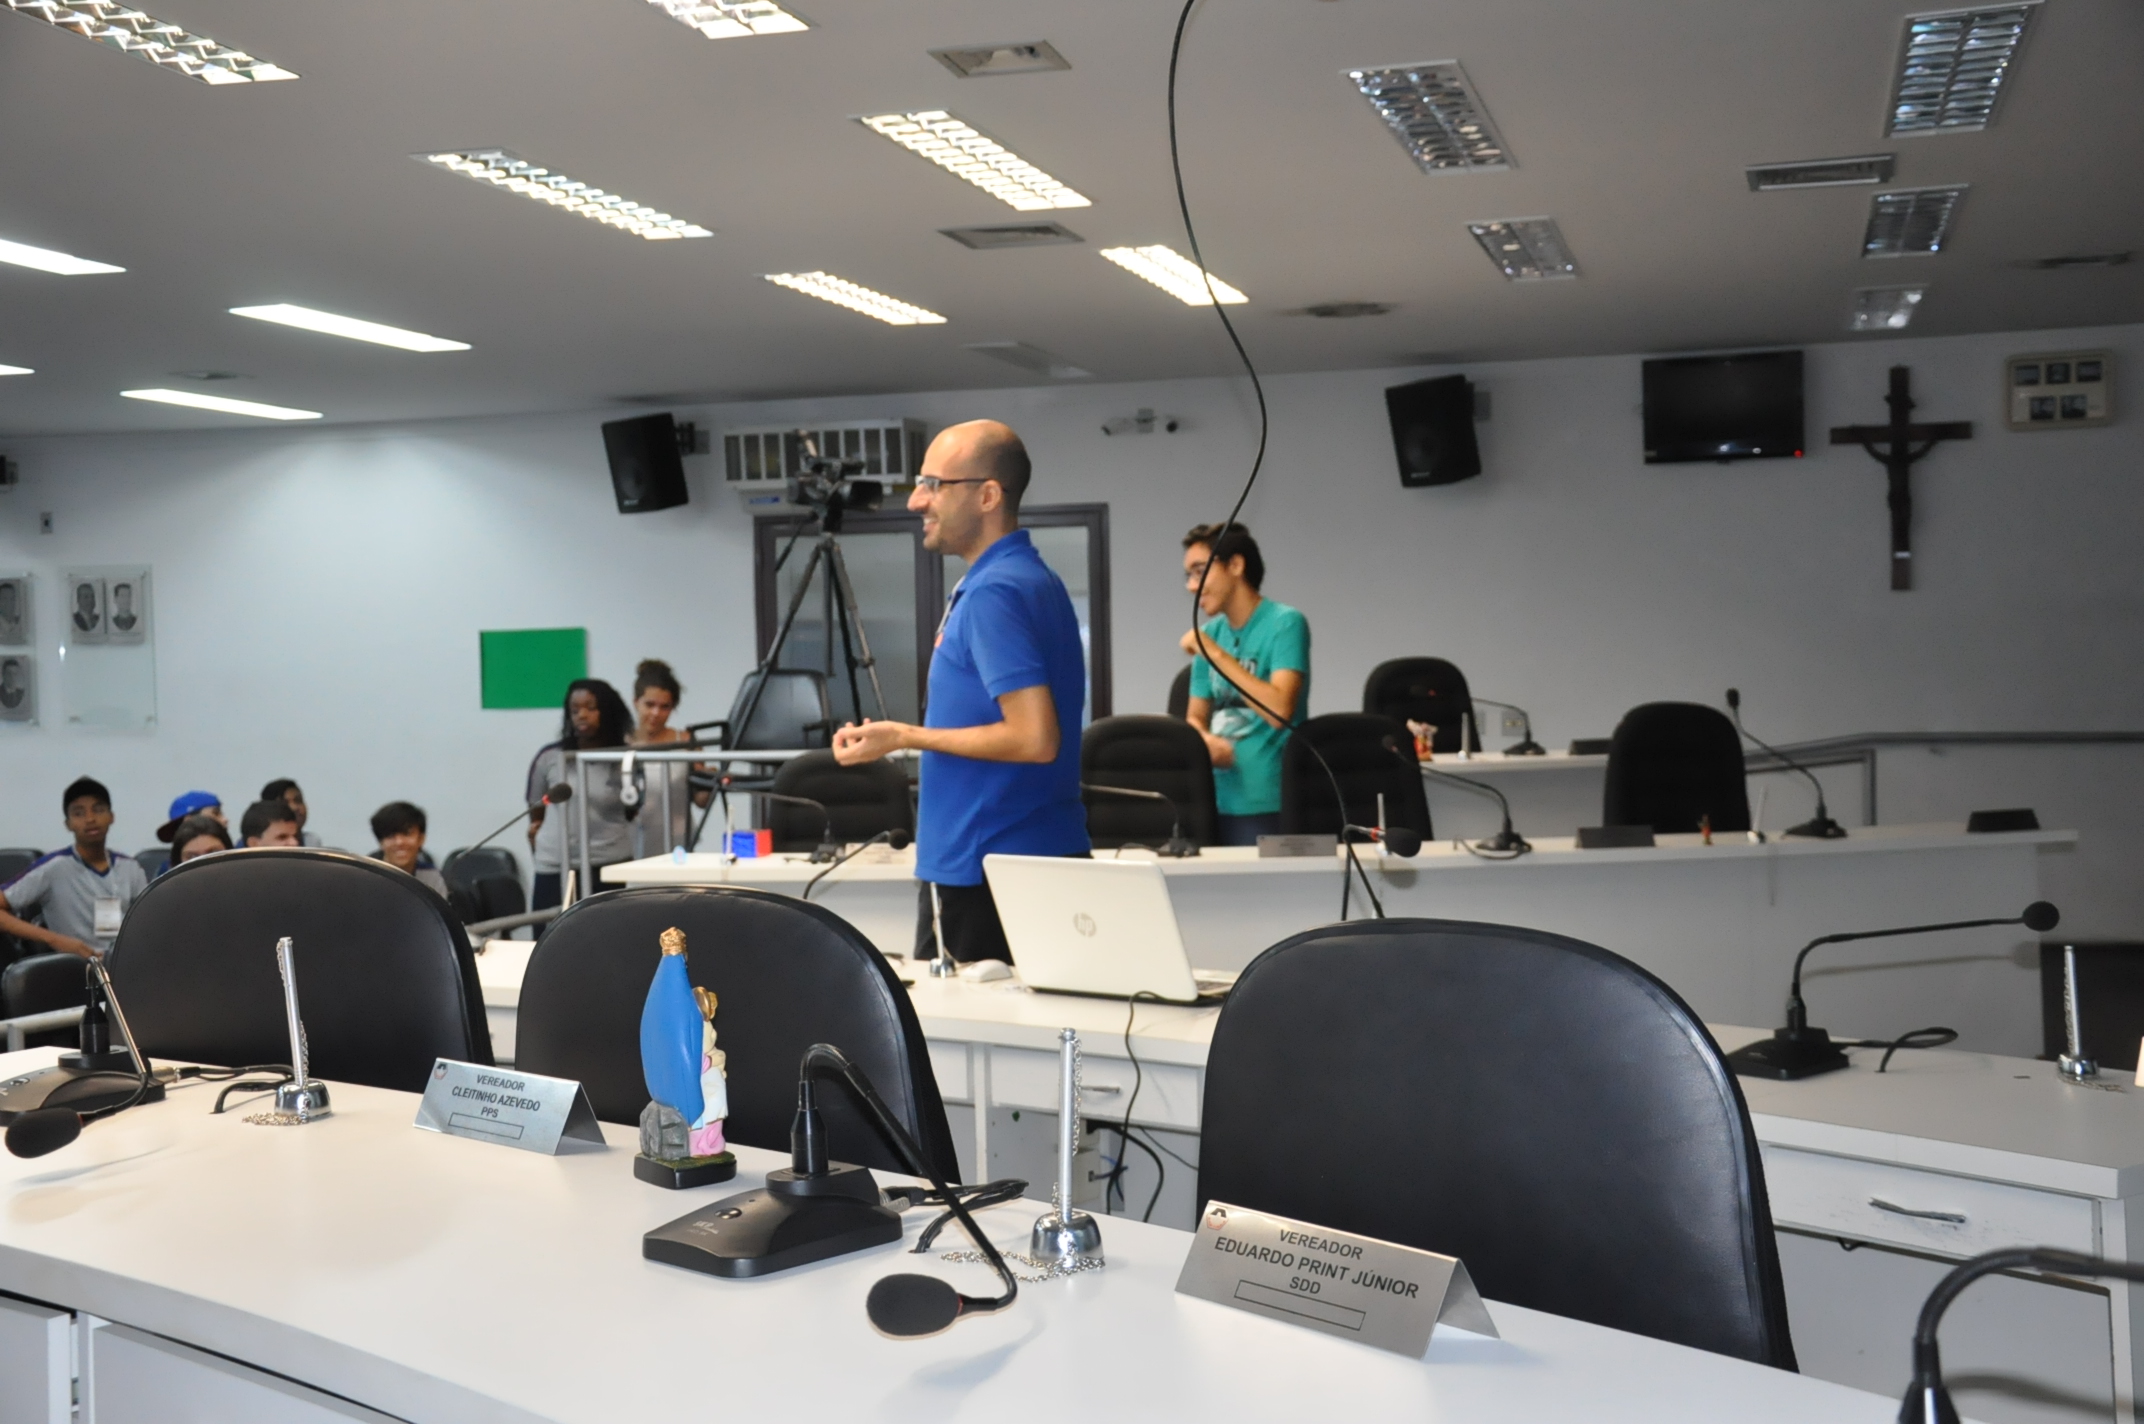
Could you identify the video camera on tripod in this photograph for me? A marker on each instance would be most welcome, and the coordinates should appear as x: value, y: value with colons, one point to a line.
x: 828, y: 486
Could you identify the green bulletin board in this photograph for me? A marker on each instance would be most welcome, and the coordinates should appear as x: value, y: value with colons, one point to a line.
x: 530, y: 667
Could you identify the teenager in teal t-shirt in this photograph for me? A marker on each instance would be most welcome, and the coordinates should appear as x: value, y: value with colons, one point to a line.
x: 1248, y: 643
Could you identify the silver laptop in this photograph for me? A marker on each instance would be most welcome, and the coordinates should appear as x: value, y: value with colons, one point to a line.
x: 1100, y: 927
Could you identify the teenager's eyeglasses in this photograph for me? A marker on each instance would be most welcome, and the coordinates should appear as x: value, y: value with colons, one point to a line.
x: 931, y: 484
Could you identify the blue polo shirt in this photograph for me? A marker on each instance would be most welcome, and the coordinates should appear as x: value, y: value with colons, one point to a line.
x: 1010, y: 626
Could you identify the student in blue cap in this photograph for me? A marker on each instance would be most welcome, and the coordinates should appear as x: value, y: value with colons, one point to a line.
x: 193, y: 803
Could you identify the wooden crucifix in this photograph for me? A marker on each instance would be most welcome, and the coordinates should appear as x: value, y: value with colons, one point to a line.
x: 1893, y: 447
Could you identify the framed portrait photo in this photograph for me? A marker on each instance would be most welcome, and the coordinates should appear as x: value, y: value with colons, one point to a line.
x: 18, y: 687
x: 15, y: 629
x: 126, y: 607
x: 82, y: 620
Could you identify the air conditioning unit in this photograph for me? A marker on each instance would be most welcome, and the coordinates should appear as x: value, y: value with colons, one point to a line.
x: 758, y: 463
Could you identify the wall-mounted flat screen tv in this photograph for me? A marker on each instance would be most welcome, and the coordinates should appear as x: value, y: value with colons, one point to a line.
x: 1744, y: 407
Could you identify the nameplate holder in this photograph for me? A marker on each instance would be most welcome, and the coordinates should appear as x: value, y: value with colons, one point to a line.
x: 514, y: 1109
x: 1292, y: 847
x: 1357, y: 1287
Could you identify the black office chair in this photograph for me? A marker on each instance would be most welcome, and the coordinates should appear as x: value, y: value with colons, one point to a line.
x: 1423, y: 690
x: 386, y: 979
x: 1144, y: 753
x: 860, y: 801
x: 39, y: 984
x: 1368, y: 755
x: 16, y: 859
x: 484, y: 883
x: 1363, y: 1077
x: 155, y: 860
x: 793, y: 713
x: 1671, y: 763
x: 1180, y: 692
x: 786, y: 975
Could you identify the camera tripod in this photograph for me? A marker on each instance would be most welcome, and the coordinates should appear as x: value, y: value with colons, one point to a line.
x: 855, y: 647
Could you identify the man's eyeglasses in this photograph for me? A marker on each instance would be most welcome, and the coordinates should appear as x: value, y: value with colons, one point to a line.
x: 931, y: 484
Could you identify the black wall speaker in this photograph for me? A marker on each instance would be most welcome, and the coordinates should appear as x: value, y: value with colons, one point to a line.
x: 646, y: 469
x: 1433, y: 431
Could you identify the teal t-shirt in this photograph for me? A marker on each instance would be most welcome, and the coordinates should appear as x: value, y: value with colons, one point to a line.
x: 1275, y: 638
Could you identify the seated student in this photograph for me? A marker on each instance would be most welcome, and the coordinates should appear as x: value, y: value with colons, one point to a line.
x: 193, y: 803
x: 269, y: 823
x: 198, y: 836
x: 400, y: 828
x: 284, y: 789
x: 83, y: 891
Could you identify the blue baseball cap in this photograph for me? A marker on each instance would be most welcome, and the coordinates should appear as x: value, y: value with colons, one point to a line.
x: 191, y: 803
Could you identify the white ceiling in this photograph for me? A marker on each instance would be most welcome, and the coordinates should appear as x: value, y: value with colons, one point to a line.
x: 1631, y: 124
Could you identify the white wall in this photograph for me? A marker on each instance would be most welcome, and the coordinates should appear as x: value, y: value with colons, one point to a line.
x: 319, y: 591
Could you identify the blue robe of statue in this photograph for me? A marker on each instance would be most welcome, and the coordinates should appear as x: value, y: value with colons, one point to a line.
x: 671, y: 1038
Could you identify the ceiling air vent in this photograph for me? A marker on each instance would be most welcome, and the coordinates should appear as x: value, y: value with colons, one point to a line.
x: 2082, y: 259
x: 1340, y: 311
x: 1029, y: 358
x: 977, y: 61
x: 1912, y: 222
x: 1822, y: 173
x: 997, y: 235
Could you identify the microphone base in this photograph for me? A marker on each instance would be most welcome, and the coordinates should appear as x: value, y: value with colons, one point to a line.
x: 825, y: 853
x: 792, y: 1221
x: 1818, y: 828
x: 1066, y: 1236
x: 1506, y: 840
x: 1927, y: 1404
x: 77, y: 1090
x: 1180, y: 848
x: 1787, y: 1056
x: 1529, y: 747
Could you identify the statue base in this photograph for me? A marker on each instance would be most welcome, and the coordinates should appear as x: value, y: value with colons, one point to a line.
x: 685, y: 1171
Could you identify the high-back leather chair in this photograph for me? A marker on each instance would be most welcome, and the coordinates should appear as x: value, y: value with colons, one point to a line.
x: 1369, y: 756
x: 786, y: 975
x: 860, y: 801
x: 40, y: 983
x: 1672, y: 763
x: 1544, y: 1110
x: 484, y: 883
x: 1423, y: 690
x: 1145, y: 753
x: 1180, y: 692
x: 386, y: 979
x: 793, y: 713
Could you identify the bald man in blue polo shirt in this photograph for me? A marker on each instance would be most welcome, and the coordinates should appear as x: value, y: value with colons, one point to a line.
x: 1000, y: 734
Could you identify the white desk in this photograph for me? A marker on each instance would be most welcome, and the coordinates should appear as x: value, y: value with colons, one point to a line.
x: 2023, y: 1157
x: 434, y: 1279
x: 1719, y: 923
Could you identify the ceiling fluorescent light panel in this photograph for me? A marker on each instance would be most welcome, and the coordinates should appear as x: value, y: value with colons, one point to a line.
x: 44, y: 259
x: 1910, y: 222
x: 502, y: 169
x: 962, y: 151
x: 1951, y: 68
x: 731, y: 19
x: 1885, y: 308
x: 158, y: 41
x: 329, y: 324
x: 877, y: 305
x: 1434, y: 113
x: 1525, y: 249
x: 17, y: 371
x: 222, y: 404
x: 1175, y: 274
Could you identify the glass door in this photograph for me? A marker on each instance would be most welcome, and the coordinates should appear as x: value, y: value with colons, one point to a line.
x: 1073, y: 540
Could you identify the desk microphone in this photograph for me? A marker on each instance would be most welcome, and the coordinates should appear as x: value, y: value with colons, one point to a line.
x: 826, y: 849
x: 1526, y: 746
x: 555, y: 795
x: 895, y: 839
x: 1507, y: 840
x: 1799, y: 1051
x: 1398, y: 839
x: 1818, y: 827
x: 1179, y: 845
x: 48, y: 1129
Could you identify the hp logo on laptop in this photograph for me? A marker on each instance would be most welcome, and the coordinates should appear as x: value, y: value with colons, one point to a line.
x: 1084, y: 923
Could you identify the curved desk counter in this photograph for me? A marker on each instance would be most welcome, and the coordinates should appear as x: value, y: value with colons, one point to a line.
x: 1720, y: 923
x: 412, y: 1276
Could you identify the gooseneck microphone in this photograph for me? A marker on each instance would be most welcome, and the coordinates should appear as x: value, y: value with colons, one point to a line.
x: 1927, y: 1398
x: 551, y: 797
x: 1399, y: 840
x: 1507, y: 843
x: 48, y: 1129
x: 826, y: 849
x: 1179, y: 845
x: 1818, y: 827
x: 1799, y: 1051
x: 895, y: 839
x: 1526, y: 746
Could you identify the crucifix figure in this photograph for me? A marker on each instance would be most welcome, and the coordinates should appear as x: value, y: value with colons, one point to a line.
x: 1893, y: 447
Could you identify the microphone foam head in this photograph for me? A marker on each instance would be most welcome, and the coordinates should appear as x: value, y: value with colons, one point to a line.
x: 2040, y: 917
x: 909, y: 1306
x: 45, y: 1130
x: 558, y: 793
x: 1402, y: 842
x: 898, y: 840
x: 1734, y: 698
